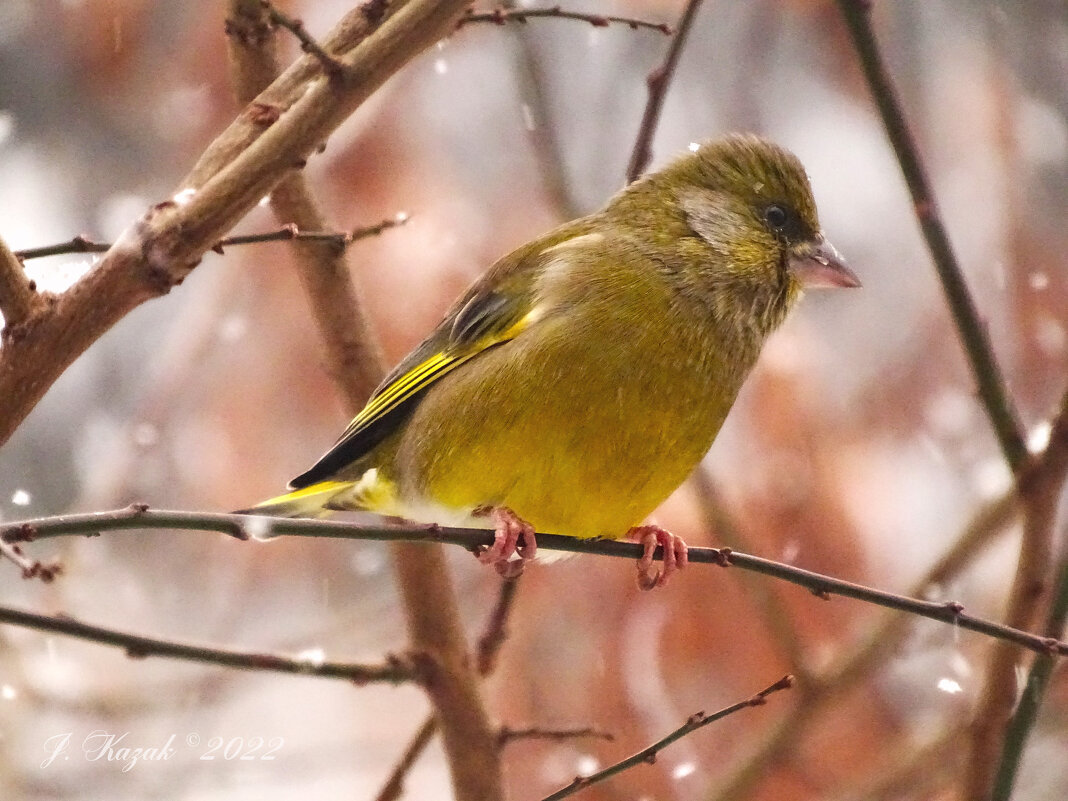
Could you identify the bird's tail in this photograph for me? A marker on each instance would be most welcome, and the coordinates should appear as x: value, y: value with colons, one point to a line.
x: 310, y: 501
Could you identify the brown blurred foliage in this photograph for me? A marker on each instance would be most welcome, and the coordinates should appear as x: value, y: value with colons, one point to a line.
x: 857, y: 448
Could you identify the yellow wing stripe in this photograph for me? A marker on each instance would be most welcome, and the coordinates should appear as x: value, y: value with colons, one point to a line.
x: 404, y: 387
x: 323, y: 487
x: 424, y: 373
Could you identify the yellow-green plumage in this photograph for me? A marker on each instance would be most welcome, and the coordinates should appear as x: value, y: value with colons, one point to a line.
x: 582, y: 378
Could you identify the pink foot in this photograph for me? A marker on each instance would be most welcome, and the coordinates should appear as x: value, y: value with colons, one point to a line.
x: 676, y: 555
x: 511, y: 535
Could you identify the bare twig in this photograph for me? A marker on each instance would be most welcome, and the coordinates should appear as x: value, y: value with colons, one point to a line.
x: 394, y: 785
x: 394, y: 671
x: 657, y: 82
x: 496, y: 632
x: 489, y: 644
x: 882, y: 640
x: 287, y: 233
x: 1023, y: 720
x: 508, y: 735
x: 31, y: 568
x: 500, y: 16
x: 140, y: 517
x: 648, y: 755
x: 973, y: 333
x: 1027, y: 597
x: 18, y: 295
x: 331, y: 66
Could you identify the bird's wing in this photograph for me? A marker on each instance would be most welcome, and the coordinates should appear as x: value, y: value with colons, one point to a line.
x: 493, y: 311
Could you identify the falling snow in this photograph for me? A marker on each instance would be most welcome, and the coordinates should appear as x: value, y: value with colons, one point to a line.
x: 951, y: 686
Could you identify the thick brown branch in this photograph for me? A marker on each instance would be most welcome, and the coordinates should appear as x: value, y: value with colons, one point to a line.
x: 18, y: 296
x: 476, y: 539
x: 395, y: 671
x: 355, y: 361
x: 162, y: 248
x: 353, y: 29
x: 658, y: 82
x: 501, y: 16
x: 648, y: 755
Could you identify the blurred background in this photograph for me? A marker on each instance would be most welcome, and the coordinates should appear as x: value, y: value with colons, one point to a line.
x: 857, y: 447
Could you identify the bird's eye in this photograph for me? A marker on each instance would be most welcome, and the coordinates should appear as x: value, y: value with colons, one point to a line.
x: 775, y: 216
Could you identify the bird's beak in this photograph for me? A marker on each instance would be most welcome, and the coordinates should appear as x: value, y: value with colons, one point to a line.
x: 817, y: 263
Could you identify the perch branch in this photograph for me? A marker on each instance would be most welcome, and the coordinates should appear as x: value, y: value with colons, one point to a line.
x: 395, y: 670
x: 648, y: 755
x: 240, y: 526
x: 657, y: 83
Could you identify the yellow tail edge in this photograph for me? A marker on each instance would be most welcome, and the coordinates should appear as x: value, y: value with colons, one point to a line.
x: 310, y: 501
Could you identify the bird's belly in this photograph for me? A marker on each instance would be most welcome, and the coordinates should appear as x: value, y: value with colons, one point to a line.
x: 568, y: 462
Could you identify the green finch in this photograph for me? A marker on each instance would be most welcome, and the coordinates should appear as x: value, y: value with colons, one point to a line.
x: 581, y: 379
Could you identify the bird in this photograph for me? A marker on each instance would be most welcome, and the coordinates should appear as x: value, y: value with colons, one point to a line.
x: 581, y: 379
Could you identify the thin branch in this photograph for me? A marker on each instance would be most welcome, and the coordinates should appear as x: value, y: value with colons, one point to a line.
x: 394, y: 785
x: 508, y: 735
x: 1023, y: 720
x: 474, y: 540
x: 657, y: 82
x: 776, y: 616
x: 31, y: 568
x: 287, y: 233
x: 18, y: 295
x: 1027, y: 598
x: 648, y: 755
x: 489, y: 645
x: 500, y: 16
x: 972, y: 329
x: 395, y: 671
x: 331, y: 66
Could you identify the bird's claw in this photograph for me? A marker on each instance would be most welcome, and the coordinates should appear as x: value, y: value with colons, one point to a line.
x: 675, y: 555
x: 511, y: 535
